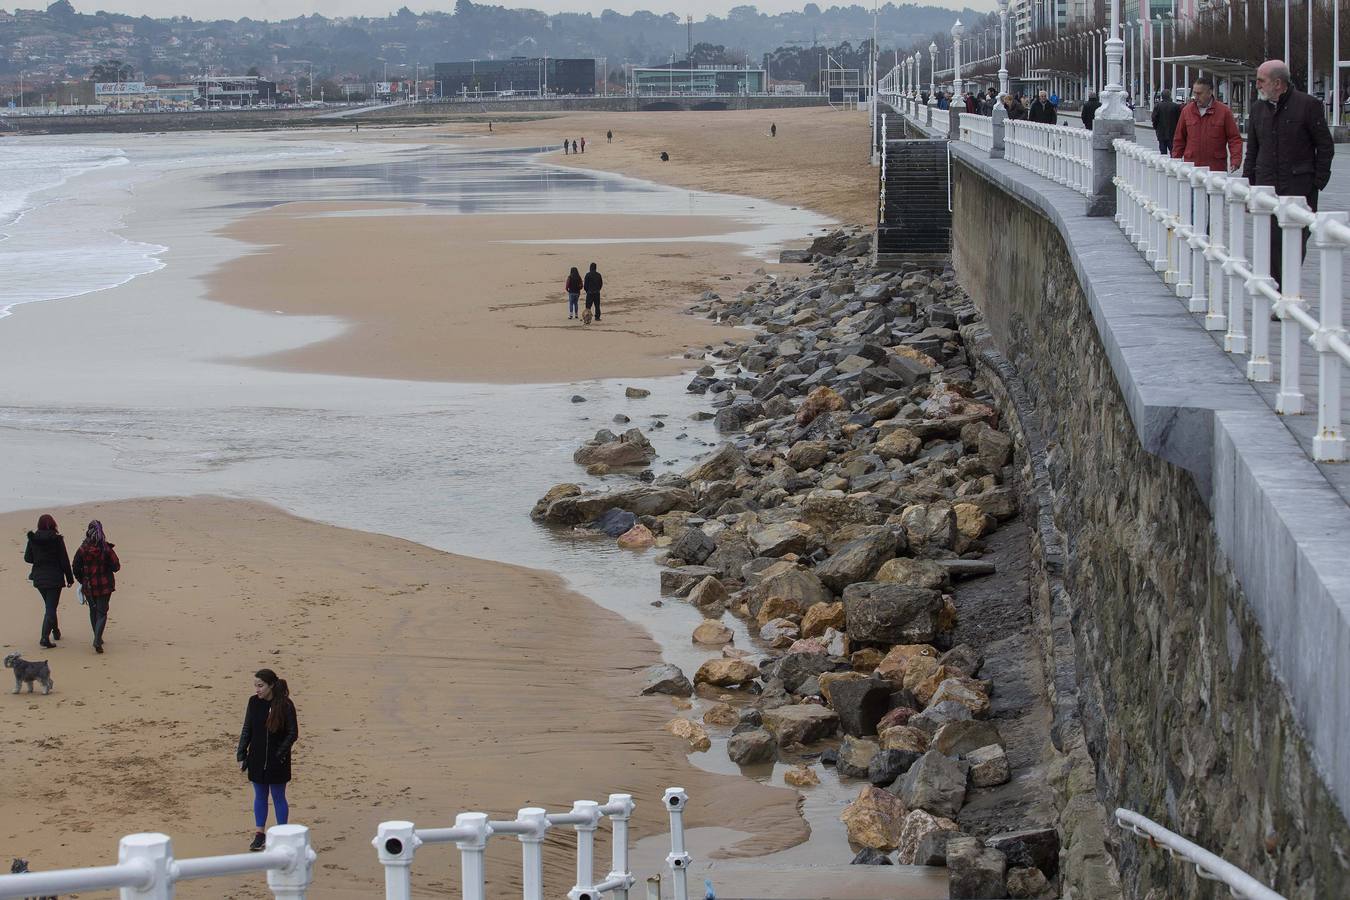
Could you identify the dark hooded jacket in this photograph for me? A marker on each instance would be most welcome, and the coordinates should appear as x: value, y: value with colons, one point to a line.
x: 593, y: 282
x: 267, y: 753
x: 1289, y: 146
x: 1090, y: 111
x: 46, y: 550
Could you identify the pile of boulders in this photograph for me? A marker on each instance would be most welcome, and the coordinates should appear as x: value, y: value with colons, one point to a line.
x: 863, y: 470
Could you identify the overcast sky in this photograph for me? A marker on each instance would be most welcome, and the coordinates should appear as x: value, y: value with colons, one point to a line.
x: 285, y: 9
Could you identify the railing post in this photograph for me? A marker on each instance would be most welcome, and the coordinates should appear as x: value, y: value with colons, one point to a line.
x: 675, y: 800
x: 1258, y: 364
x: 1199, y: 176
x: 154, y: 853
x: 532, y: 851
x: 292, y: 882
x: 1329, y: 443
x: 621, y: 810
x: 584, y: 889
x: 1215, y: 320
x: 1172, y: 198
x: 999, y: 121
x: 1235, y: 340
x: 472, y: 876
x: 1187, y: 224
x: 1161, y: 212
x: 395, y: 844
x: 1289, y: 400
x: 1102, y: 200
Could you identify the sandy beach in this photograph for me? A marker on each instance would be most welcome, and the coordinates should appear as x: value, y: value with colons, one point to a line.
x: 426, y: 684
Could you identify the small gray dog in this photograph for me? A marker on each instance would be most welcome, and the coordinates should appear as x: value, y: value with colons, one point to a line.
x: 29, y: 672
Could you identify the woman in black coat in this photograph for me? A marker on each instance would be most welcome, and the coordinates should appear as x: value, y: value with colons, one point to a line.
x: 270, y: 730
x: 46, y: 551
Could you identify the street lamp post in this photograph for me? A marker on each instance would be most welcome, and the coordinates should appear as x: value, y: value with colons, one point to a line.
x: 1002, y: 46
x: 957, y: 30
x: 1113, y: 97
x: 932, y: 73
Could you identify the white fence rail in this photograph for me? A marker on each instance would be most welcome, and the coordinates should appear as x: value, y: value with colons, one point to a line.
x: 396, y: 844
x: 1057, y: 152
x: 978, y: 131
x: 1192, y: 225
x: 1207, y: 865
x: 146, y: 869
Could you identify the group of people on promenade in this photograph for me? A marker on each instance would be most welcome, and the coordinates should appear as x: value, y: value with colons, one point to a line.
x: 271, y: 726
x: 575, y: 284
x: 94, y: 566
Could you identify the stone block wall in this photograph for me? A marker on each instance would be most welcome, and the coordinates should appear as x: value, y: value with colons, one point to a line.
x: 1177, y: 703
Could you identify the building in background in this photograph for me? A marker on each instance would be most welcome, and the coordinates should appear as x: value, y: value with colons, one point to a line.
x: 682, y: 78
x: 516, y: 75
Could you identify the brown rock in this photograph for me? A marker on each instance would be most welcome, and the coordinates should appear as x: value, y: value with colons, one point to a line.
x: 828, y: 678
x: 557, y: 492
x: 988, y: 766
x: 820, y: 400
x: 822, y: 616
x: 712, y: 632
x: 725, y: 672
x: 898, y: 716
x: 904, y: 737
x: 708, y: 593
x: 947, y: 615
x: 917, y: 825
x: 639, y: 537
x: 779, y: 633
x: 893, y: 667
x: 865, y: 660
x: 900, y: 444
x: 801, y: 776
x: 924, y: 573
x: 690, y: 731
x: 918, y: 671
x: 875, y: 819
x: 777, y: 608
x: 973, y: 522
x: 802, y: 723
x: 966, y: 691
x: 721, y: 714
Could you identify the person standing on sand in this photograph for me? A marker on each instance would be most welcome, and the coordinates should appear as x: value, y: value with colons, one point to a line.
x: 573, y: 286
x: 592, y: 284
x: 609, y: 136
x: 270, y: 730
x: 583, y: 145
x: 773, y: 130
x: 489, y: 128
x: 574, y: 145
x: 564, y: 147
x: 94, y: 566
x: 46, y: 551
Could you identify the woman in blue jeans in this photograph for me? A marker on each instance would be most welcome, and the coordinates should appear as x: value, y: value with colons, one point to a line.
x: 46, y: 552
x: 270, y: 731
x: 573, y: 288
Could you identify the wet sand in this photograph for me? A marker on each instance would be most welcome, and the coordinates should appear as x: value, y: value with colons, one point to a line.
x: 426, y: 684
x: 436, y: 297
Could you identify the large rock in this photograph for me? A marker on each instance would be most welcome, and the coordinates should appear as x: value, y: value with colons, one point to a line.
x: 639, y: 537
x: 713, y: 633
x: 786, y: 537
x: 929, y: 527
x: 869, y: 857
x: 682, y: 581
x: 667, y: 679
x: 557, y: 492
x: 808, y: 454
x: 1026, y: 882
x: 794, y: 669
x: 858, y: 559
x: 959, y: 738
x: 1040, y: 844
x: 753, y: 747
x: 888, y: 613
x: 974, y: 870
x: 888, y: 765
x: 736, y: 416
x: 820, y: 400
x: 935, y: 783
x: 860, y: 704
x: 988, y: 766
x: 644, y: 500
x: 725, y: 672
x: 822, y: 616
x: 801, y: 723
x: 899, y: 444
x: 917, y: 826
x: 614, y: 522
x: 719, y: 465
x: 692, y: 545
x: 690, y: 731
x: 874, y: 819
x: 855, y: 756
x: 708, y: 593
x: 792, y: 582
x: 631, y: 449
x: 904, y: 737
x: 723, y: 714
x: 923, y: 573
x: 931, y: 720
x: 966, y: 691
x: 897, y: 660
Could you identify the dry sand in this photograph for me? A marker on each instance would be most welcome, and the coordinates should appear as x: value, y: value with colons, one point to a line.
x: 426, y: 683
x: 450, y: 298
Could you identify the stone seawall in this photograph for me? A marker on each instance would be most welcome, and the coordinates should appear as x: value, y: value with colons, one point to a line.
x: 1177, y: 700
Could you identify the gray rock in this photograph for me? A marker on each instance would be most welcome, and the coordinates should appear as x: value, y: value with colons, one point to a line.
x: 633, y: 393
x: 801, y: 724
x: 888, y: 765
x: 614, y: 522
x: 1026, y: 882
x: 1042, y: 844
x: 736, y: 416
x: 644, y: 500
x: 932, y: 848
x: 889, y: 613
x: 794, y: 256
x: 860, y: 705
x: 935, y: 784
x: 855, y: 757
x: 794, y: 669
x: 692, y: 545
x: 683, y: 580
x: 667, y: 679
x: 859, y: 559
x: 628, y: 450
x: 963, y: 657
x: 959, y: 738
x: 719, y: 465
x: 732, y: 553
x: 577, y: 398
x: 870, y: 857
x: 752, y: 747
x: 975, y: 871
x: 939, y: 714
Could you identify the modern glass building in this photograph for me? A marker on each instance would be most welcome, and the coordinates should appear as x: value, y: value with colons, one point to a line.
x: 682, y: 79
x: 518, y: 74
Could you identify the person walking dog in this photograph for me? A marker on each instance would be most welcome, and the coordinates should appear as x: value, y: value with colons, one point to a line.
x: 592, y: 285
x: 46, y: 552
x: 95, y: 565
x: 271, y: 728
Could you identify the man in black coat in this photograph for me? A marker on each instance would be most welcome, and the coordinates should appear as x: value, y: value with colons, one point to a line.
x: 1042, y: 110
x: 1289, y: 146
x: 1166, y: 115
x: 592, y: 284
x: 1090, y: 111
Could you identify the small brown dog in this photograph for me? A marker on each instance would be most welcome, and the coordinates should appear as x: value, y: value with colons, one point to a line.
x: 586, y: 316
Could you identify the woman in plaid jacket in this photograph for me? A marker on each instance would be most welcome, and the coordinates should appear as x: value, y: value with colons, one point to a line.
x: 94, y: 565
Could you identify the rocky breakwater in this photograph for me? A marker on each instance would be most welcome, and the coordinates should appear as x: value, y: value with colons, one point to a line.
x: 862, y: 474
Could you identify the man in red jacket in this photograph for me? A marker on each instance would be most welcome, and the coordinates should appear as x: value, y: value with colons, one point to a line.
x: 1207, y: 134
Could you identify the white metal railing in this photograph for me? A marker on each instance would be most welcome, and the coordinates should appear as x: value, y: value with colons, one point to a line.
x: 146, y: 869
x: 881, y: 204
x: 1207, y: 865
x: 978, y: 131
x: 1193, y: 224
x: 396, y: 844
x: 1058, y: 152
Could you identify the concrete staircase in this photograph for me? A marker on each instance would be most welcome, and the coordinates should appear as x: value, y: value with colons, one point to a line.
x: 915, y: 221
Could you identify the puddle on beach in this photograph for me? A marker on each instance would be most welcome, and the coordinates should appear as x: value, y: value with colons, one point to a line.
x: 452, y: 466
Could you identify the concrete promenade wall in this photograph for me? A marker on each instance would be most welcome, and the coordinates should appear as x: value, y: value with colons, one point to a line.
x: 1204, y: 558
x: 590, y: 104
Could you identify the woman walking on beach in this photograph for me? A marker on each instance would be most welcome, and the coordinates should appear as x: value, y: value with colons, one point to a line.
x: 94, y: 565
x: 573, y: 288
x: 270, y: 730
x: 46, y: 551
